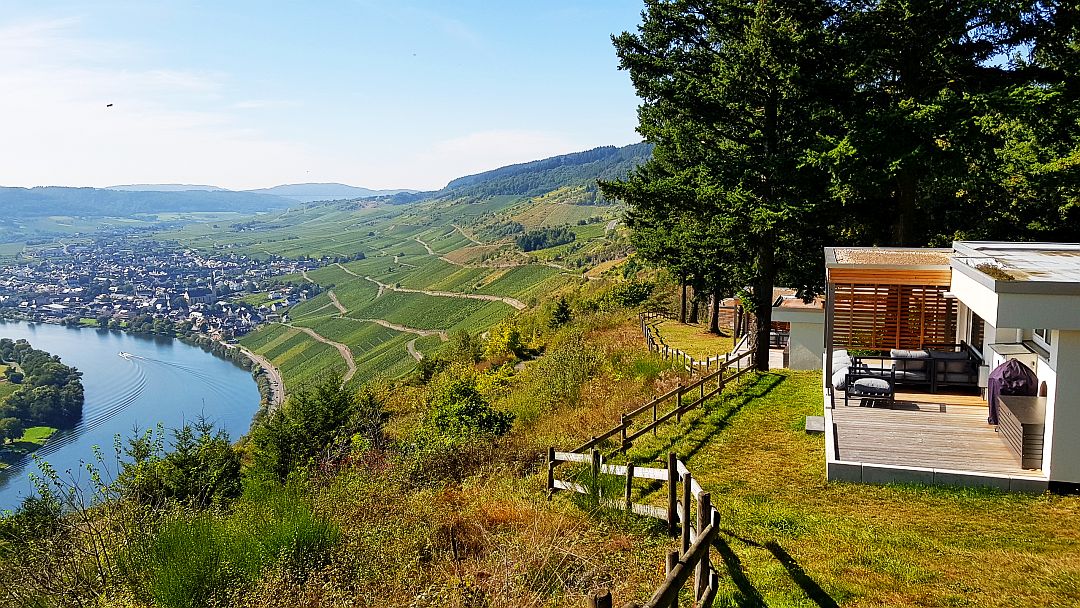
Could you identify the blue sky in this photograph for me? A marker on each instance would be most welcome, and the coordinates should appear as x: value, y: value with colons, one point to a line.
x: 250, y: 94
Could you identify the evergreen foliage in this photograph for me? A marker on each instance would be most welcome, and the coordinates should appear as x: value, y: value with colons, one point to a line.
x: 786, y: 125
x: 545, y: 238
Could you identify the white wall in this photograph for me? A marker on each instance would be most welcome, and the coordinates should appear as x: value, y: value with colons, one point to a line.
x: 1063, y: 407
x: 806, y: 345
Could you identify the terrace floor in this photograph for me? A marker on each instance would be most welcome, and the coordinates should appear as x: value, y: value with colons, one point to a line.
x: 931, y: 431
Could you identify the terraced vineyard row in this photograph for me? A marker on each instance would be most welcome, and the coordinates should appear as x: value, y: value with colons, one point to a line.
x: 300, y: 359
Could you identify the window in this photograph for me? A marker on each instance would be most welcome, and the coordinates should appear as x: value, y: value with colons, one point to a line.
x: 976, y: 331
x: 1042, y: 337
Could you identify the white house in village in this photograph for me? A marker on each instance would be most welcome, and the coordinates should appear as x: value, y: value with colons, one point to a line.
x: 910, y: 337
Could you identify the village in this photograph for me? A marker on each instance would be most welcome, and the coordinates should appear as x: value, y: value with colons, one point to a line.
x: 152, y: 287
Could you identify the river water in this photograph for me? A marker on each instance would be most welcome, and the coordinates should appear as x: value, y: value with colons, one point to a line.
x: 164, y: 381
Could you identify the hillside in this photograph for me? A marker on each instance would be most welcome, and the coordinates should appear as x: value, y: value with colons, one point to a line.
x: 309, y: 193
x: 97, y: 202
x: 164, y: 187
x: 542, y: 176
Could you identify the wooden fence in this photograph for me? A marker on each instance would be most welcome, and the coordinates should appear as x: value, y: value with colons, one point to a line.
x: 673, y: 404
x: 693, y: 561
x: 656, y: 344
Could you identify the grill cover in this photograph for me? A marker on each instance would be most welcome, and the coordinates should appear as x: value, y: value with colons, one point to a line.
x: 1010, y: 378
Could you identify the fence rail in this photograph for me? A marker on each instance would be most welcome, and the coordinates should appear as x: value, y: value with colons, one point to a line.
x: 656, y: 344
x: 693, y: 561
x: 673, y: 404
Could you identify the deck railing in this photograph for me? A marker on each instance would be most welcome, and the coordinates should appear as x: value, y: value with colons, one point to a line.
x: 693, y: 561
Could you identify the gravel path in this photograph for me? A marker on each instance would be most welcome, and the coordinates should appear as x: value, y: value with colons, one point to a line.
x: 346, y: 354
x: 517, y: 304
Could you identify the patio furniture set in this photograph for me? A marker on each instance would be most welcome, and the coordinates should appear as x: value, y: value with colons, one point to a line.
x: 873, y: 379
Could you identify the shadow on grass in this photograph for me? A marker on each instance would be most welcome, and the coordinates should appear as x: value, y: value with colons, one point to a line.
x: 764, y: 384
x: 750, y: 596
x: 747, y: 596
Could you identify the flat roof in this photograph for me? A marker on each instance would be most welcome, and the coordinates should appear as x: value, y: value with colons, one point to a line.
x: 888, y: 257
x: 1021, y: 267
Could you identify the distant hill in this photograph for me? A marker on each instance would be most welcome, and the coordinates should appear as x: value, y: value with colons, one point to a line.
x: 308, y: 193
x: 542, y: 176
x: 100, y: 202
x: 163, y: 187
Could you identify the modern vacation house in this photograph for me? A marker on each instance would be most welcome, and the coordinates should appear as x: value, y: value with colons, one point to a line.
x: 911, y: 338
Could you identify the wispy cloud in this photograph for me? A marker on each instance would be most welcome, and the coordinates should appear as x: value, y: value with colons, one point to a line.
x: 166, y: 123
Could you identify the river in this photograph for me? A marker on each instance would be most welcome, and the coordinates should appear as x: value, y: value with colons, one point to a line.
x: 164, y: 381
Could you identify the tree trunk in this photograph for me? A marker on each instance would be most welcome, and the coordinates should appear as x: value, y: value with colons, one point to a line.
x: 714, y: 316
x: 763, y: 304
x: 906, y: 185
x: 695, y: 308
x: 682, y: 303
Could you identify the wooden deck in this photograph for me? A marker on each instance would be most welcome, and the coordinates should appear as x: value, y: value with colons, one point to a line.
x: 925, y: 431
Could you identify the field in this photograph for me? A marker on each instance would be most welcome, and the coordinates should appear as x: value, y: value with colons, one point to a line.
x: 395, y: 242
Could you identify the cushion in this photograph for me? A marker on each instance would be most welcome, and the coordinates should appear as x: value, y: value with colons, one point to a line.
x: 957, y: 367
x: 911, y: 365
x: 839, y: 378
x: 949, y: 355
x: 898, y: 353
x: 871, y: 386
x: 840, y: 360
x: 911, y: 376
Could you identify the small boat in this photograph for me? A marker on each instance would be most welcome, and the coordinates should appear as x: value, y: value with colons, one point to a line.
x: 126, y: 355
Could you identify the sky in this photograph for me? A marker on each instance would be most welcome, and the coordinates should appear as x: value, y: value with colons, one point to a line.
x: 239, y: 94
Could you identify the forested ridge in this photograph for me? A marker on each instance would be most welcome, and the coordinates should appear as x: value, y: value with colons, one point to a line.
x: 97, y: 202
x: 542, y: 176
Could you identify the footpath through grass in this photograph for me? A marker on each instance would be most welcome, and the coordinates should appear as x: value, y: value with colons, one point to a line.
x: 792, y: 539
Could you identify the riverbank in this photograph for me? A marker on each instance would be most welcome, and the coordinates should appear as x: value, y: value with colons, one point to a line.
x: 273, y: 376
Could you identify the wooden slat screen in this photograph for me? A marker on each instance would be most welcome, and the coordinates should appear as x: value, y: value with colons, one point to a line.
x: 864, y: 276
x: 882, y: 317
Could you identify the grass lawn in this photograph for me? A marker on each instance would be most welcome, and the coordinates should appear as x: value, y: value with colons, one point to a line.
x: 694, y: 339
x: 792, y: 539
x: 32, y: 439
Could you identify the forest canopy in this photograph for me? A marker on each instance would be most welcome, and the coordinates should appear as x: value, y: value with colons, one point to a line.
x: 49, y: 394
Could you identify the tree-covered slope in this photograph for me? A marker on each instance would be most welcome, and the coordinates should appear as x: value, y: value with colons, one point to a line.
x: 95, y: 202
x: 543, y: 176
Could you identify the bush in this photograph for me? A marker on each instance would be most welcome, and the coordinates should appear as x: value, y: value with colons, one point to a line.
x: 457, y: 408
x: 504, y: 340
x: 202, y: 469
x: 316, y: 421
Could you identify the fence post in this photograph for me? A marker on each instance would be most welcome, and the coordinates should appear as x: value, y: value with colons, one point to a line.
x: 600, y: 599
x: 596, y: 469
x: 704, y: 518
x: 629, y: 484
x: 678, y: 404
x: 672, y: 561
x: 551, y: 471
x: 672, y: 494
x: 622, y: 423
x: 654, y: 419
x: 687, y: 497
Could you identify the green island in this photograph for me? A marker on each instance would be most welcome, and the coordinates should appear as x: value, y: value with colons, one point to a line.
x: 38, y: 396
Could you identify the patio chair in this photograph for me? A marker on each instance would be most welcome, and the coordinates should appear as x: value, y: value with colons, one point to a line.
x: 870, y: 385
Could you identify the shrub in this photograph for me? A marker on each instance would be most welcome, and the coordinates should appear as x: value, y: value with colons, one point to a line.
x: 317, y: 420
x: 457, y: 407
x: 504, y: 340
x: 201, y: 469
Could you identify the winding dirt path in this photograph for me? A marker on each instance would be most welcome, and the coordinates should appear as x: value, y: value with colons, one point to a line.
x: 333, y: 300
x: 423, y: 333
x: 346, y: 354
x: 273, y: 375
x: 306, y: 278
x: 516, y: 304
x: 466, y: 235
x: 410, y: 346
